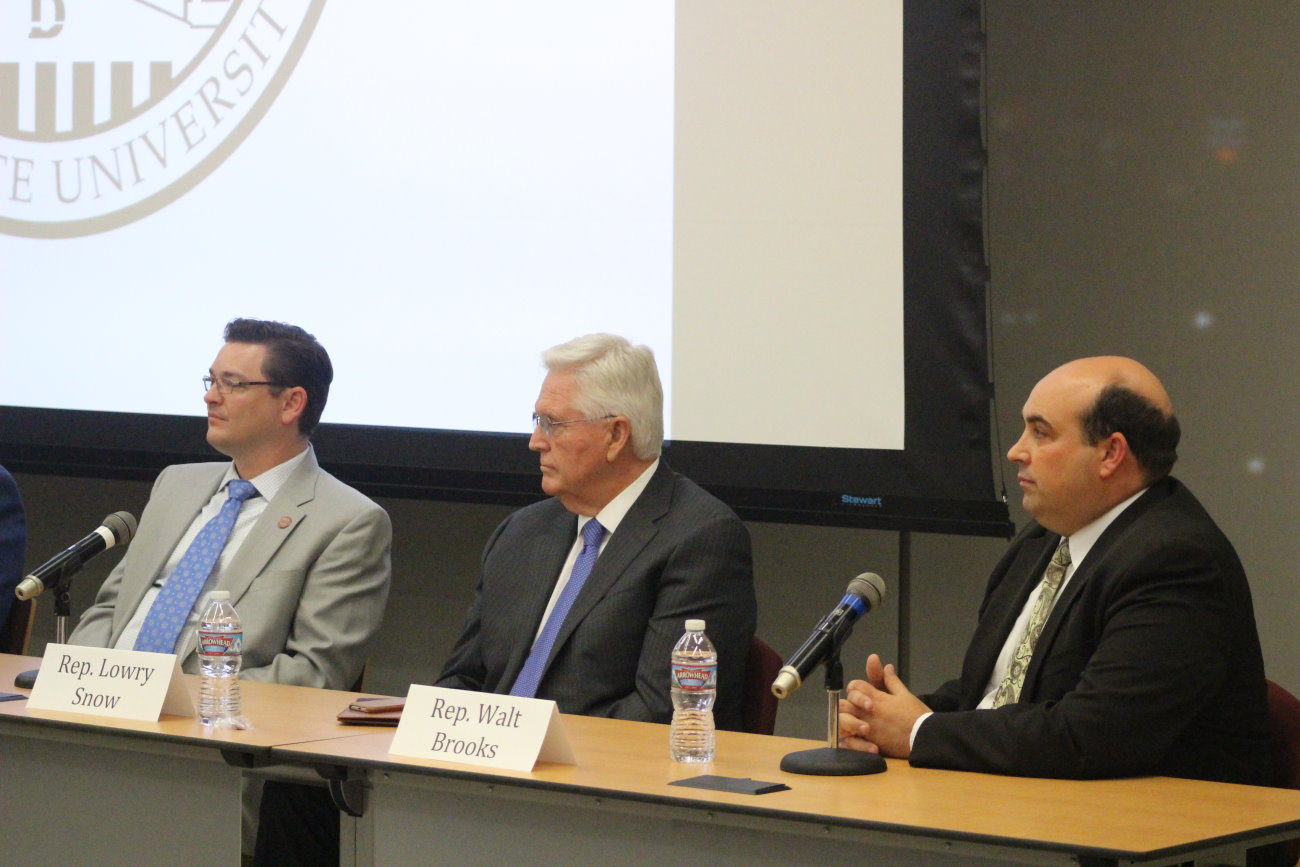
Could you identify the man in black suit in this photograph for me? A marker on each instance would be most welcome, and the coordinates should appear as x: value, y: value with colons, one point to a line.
x: 1116, y: 636
x: 667, y: 552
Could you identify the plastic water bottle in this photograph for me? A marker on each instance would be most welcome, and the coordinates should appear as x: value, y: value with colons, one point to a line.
x: 221, y: 653
x: 694, y: 688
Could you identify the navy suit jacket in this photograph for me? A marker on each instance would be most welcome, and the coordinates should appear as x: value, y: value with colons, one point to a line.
x: 13, y: 541
x: 679, y: 553
x: 1148, y: 664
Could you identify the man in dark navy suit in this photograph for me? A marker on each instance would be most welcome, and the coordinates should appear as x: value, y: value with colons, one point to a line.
x: 667, y: 552
x: 13, y: 541
x: 661, y: 551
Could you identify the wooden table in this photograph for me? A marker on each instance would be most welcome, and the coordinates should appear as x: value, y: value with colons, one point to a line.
x: 616, y: 806
x: 84, y: 789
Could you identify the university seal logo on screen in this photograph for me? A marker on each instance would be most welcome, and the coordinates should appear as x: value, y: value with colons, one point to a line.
x: 110, y: 110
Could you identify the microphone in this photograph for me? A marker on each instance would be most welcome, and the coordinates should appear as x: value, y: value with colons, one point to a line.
x: 863, y: 594
x: 116, y: 529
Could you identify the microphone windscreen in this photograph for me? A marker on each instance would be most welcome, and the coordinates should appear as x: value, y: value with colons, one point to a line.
x: 122, y: 525
x: 868, y: 586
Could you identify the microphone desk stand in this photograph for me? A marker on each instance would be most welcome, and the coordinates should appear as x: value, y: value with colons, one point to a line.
x: 833, y: 760
x: 62, y: 611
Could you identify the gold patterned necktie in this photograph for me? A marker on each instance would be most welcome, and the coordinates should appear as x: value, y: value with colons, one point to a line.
x: 1009, y: 690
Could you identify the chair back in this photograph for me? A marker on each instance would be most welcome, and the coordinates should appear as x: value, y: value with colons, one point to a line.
x: 759, y: 713
x: 1284, y: 728
x: 1284, y: 725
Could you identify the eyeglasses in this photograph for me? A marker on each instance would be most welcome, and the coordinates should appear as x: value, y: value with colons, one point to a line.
x: 547, y: 425
x: 225, y: 384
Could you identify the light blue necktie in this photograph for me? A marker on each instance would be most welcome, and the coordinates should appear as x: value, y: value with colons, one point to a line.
x: 531, y: 674
x: 172, y: 606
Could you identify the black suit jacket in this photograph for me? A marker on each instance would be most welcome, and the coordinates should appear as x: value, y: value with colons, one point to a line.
x: 679, y: 553
x: 1149, y: 663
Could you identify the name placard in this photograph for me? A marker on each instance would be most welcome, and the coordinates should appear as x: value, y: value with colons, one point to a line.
x: 480, y: 728
x: 127, y: 684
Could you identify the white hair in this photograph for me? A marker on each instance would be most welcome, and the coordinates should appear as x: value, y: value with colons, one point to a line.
x: 615, y: 378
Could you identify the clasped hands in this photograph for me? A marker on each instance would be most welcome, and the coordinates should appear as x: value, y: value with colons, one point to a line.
x: 878, y: 713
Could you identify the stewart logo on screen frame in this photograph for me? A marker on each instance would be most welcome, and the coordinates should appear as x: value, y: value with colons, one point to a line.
x: 113, y: 109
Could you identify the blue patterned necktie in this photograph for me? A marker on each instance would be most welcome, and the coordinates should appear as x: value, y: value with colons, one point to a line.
x: 531, y: 674
x: 172, y: 606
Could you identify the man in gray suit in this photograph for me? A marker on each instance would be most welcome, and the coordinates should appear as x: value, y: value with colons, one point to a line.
x: 665, y: 551
x: 307, y: 559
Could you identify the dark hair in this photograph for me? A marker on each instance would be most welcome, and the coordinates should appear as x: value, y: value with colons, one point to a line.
x: 293, y: 358
x: 1152, y: 436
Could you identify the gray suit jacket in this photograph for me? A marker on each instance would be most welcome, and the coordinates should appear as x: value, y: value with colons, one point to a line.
x: 311, y: 595
x: 679, y: 553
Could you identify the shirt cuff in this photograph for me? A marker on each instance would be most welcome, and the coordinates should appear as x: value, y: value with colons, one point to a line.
x: 916, y: 727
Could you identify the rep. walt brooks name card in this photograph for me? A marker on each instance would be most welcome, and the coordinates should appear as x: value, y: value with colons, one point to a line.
x: 127, y: 684
x: 480, y: 728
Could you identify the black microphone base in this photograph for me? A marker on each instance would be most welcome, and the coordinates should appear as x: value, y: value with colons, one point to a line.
x: 26, y: 679
x: 833, y: 762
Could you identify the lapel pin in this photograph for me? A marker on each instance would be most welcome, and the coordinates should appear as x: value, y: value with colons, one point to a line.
x: 285, y: 521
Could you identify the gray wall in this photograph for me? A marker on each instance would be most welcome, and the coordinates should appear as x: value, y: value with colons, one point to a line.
x: 1144, y: 187
x: 1145, y: 184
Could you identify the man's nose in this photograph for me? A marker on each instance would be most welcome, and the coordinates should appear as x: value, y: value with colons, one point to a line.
x: 538, y: 441
x: 1018, y: 454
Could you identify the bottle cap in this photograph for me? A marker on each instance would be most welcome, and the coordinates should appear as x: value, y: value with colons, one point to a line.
x: 695, y: 626
x: 218, y: 595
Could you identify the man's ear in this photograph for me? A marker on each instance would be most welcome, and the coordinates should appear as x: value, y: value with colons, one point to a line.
x: 620, y: 437
x: 1112, y: 458
x: 293, y: 403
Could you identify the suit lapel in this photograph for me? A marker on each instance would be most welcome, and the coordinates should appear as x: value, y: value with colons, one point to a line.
x: 266, y: 535
x: 180, y: 503
x: 1023, y: 575
x: 634, y: 532
x: 546, y: 557
x: 1079, y: 580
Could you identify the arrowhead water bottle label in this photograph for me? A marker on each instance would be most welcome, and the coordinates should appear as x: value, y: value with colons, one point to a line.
x: 221, y: 643
x: 694, y: 677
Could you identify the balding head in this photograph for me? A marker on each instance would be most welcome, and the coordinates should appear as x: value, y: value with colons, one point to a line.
x: 1097, y: 431
x: 1101, y: 371
x: 1129, y: 399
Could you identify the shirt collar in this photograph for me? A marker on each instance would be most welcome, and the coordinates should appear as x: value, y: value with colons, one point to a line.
x: 616, y: 509
x: 269, y: 483
x: 1083, y: 539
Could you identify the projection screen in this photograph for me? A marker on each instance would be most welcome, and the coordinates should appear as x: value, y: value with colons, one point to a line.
x: 781, y: 199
